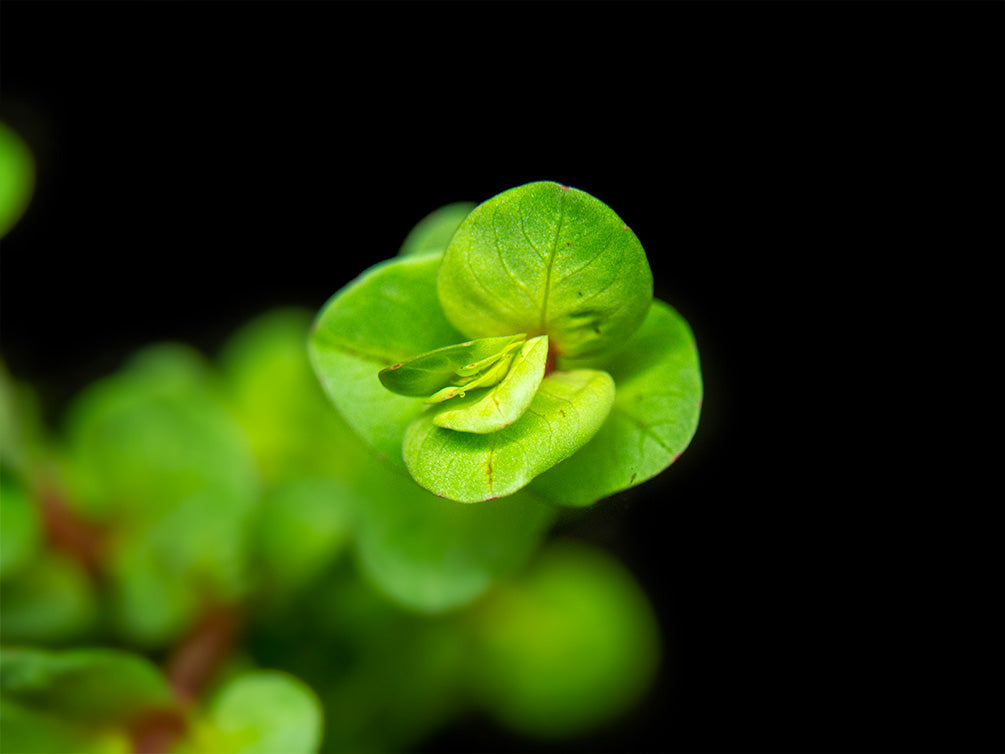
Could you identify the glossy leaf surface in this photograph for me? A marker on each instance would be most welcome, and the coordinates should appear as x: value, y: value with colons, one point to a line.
x: 567, y: 410
x: 388, y: 314
x: 654, y: 417
x: 546, y: 259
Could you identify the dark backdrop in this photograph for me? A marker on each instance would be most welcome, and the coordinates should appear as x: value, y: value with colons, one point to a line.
x: 818, y: 187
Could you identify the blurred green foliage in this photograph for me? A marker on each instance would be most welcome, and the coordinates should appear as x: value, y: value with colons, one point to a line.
x: 367, y: 613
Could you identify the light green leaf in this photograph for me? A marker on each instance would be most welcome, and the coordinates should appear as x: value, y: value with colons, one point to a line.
x: 430, y: 372
x: 655, y: 413
x: 567, y: 646
x: 546, y: 259
x: 91, y: 685
x: 431, y: 554
x: 567, y: 410
x: 432, y: 234
x: 266, y: 712
x: 503, y: 404
x: 17, y: 177
x: 386, y: 315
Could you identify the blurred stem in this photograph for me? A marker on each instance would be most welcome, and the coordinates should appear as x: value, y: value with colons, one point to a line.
x: 67, y: 532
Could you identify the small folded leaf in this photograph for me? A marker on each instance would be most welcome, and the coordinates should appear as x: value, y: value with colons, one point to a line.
x: 567, y: 410
x: 267, y: 712
x: 386, y: 315
x: 430, y: 372
x: 545, y: 258
x: 655, y: 413
x: 432, y: 233
x: 52, y: 601
x: 504, y: 403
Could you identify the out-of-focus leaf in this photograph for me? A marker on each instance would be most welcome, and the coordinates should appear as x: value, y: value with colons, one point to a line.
x: 24, y: 730
x: 50, y: 602
x: 144, y: 439
x: 569, y: 645
x: 432, y: 233
x: 302, y: 527
x: 546, y: 259
x: 93, y: 686
x: 293, y: 428
x: 655, y: 413
x: 20, y: 528
x: 431, y: 554
x: 567, y: 410
x: 388, y: 314
x: 17, y: 177
x: 266, y: 712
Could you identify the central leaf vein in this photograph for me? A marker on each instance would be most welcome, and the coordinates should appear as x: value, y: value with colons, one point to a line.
x: 551, y: 260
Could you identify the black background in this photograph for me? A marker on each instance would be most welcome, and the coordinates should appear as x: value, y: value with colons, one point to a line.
x: 818, y: 187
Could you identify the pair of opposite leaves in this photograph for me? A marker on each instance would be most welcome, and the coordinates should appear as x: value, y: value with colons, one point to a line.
x: 541, y: 259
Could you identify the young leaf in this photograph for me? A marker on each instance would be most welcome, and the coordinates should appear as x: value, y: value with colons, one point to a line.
x: 430, y: 372
x: 504, y: 403
x: 655, y: 413
x: 386, y: 315
x: 433, y: 555
x: 545, y: 258
x: 432, y: 233
x: 266, y: 712
x: 566, y: 411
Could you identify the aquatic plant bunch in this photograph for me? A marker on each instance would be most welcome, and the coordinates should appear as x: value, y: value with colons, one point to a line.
x: 527, y: 353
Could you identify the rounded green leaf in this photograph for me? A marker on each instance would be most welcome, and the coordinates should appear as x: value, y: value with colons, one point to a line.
x: 432, y: 555
x: 17, y: 177
x: 388, y: 314
x: 504, y: 403
x: 432, y: 233
x: 546, y: 259
x: 654, y: 417
x: 567, y: 410
x: 266, y: 712
x: 567, y: 646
